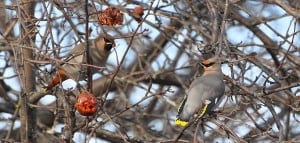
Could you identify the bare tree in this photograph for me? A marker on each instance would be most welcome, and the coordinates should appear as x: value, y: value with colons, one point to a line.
x: 157, y: 55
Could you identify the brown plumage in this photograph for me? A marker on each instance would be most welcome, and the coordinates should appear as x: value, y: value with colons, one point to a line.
x: 99, y: 52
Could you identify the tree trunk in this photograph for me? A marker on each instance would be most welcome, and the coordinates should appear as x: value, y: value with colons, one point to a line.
x: 26, y: 71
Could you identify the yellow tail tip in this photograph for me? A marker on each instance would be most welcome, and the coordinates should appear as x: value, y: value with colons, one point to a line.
x: 181, y: 123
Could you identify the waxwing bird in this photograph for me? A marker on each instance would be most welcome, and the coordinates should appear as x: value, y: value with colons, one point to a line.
x: 99, y: 52
x: 203, y: 93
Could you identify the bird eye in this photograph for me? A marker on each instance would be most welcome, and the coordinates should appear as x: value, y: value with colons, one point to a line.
x: 108, y: 46
x: 208, y: 64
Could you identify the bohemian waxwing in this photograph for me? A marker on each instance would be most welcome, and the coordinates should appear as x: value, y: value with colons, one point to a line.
x: 203, y: 93
x: 99, y: 52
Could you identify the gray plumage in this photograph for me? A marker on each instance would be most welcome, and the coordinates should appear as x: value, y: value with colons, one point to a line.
x: 208, y: 87
x: 45, y: 118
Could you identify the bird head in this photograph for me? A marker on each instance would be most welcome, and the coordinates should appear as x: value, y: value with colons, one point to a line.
x: 212, y: 64
x: 105, y: 42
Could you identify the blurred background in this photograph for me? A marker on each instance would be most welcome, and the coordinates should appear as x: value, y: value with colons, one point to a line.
x: 159, y: 44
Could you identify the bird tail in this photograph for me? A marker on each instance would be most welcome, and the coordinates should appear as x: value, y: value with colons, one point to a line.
x: 180, y: 122
x: 183, y: 123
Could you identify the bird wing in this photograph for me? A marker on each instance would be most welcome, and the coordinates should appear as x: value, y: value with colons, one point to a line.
x: 77, y: 51
x: 181, y: 105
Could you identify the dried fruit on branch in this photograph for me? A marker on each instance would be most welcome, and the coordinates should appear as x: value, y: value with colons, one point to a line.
x: 111, y: 16
x: 138, y: 13
x: 86, y: 104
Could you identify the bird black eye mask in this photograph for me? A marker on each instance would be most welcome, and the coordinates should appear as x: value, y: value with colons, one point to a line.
x: 208, y: 65
x: 108, y: 44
